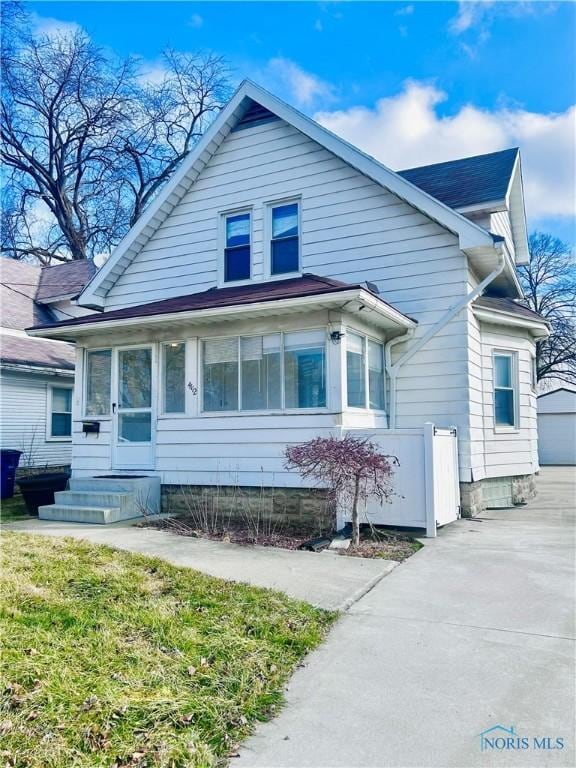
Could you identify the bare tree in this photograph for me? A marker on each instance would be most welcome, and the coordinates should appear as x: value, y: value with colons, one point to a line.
x: 549, y: 285
x: 87, y: 142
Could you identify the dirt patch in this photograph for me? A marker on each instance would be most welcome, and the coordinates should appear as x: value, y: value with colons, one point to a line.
x: 398, y: 549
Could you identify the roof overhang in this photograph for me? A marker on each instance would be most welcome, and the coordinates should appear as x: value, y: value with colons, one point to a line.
x: 373, y: 309
x: 470, y: 235
x: 538, y: 329
x: 7, y: 365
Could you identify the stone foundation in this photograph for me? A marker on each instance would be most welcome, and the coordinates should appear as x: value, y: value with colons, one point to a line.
x: 473, y: 499
x: 306, y: 510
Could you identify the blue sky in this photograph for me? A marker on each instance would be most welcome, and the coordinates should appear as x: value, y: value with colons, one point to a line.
x: 409, y: 82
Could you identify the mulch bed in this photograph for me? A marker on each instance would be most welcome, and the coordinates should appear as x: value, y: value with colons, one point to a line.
x: 373, y: 543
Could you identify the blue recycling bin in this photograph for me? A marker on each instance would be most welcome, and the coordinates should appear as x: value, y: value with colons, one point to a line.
x: 8, y: 466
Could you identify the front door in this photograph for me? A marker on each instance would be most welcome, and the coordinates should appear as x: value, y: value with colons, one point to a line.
x: 132, y: 409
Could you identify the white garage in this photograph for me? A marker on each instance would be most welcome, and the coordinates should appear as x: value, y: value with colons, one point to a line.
x: 557, y: 427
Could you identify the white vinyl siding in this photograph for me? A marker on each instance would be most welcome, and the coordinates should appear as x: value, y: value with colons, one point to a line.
x: 25, y: 410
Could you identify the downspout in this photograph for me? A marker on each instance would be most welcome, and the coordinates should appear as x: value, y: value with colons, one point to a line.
x: 392, y: 370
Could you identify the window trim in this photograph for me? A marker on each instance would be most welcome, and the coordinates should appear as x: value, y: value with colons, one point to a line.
x: 269, y: 207
x: 366, y: 408
x: 512, y: 355
x: 50, y: 411
x: 162, y: 412
x: 85, y: 415
x: 533, y: 374
x: 222, y: 247
x: 262, y: 411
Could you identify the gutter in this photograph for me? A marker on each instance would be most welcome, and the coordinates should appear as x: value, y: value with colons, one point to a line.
x: 36, y: 369
x: 392, y: 370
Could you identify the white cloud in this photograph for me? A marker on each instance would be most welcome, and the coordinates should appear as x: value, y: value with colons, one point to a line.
x: 470, y: 14
x: 407, y: 10
x: 196, y: 20
x: 44, y: 26
x: 300, y: 87
x: 406, y: 130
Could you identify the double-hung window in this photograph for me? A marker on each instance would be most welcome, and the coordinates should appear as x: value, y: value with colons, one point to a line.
x: 505, y: 390
x: 271, y: 372
x: 364, y: 372
x: 237, y: 249
x: 60, y: 413
x: 285, y: 238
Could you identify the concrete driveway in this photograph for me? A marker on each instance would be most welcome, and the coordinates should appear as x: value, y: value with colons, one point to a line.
x: 323, y: 579
x: 476, y: 630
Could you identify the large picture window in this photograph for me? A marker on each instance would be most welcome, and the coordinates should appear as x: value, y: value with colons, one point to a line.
x: 98, y: 382
x: 505, y: 394
x: 237, y: 252
x: 270, y: 372
x: 364, y: 372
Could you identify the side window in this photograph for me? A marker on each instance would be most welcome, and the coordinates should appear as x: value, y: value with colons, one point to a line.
x: 237, y: 250
x: 505, y: 395
x: 285, y: 240
x: 61, y: 412
x: 98, y: 382
x: 174, y: 377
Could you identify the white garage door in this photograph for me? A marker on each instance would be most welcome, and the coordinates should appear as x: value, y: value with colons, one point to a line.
x: 557, y: 438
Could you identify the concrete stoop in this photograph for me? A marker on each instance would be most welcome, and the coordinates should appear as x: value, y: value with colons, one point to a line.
x: 103, y: 500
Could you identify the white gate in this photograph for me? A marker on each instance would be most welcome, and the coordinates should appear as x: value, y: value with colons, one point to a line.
x: 426, y: 485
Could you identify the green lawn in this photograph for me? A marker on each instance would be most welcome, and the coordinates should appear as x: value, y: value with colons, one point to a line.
x: 13, y: 509
x: 115, y: 659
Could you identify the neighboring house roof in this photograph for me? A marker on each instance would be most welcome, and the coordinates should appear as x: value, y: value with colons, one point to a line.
x: 468, y: 181
x: 19, y: 284
x: 64, y: 280
x: 214, y: 298
x: 500, y: 304
x: 24, y: 352
x: 472, y: 237
x: 559, y: 389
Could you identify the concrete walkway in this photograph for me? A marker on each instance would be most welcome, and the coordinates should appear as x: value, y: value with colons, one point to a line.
x: 475, y: 630
x: 323, y: 579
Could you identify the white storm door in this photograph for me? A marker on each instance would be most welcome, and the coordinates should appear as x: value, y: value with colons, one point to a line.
x: 132, y: 408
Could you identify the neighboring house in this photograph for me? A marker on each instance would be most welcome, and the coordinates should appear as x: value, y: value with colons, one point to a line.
x: 37, y: 375
x: 557, y: 426
x: 285, y: 285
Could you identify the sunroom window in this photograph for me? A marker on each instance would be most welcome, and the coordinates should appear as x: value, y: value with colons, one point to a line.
x: 237, y: 252
x: 284, y: 245
x: 269, y: 372
x: 364, y: 372
x: 98, y: 382
x: 174, y: 377
x: 504, y: 390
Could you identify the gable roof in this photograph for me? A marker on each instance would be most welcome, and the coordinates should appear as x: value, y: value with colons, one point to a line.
x: 19, y: 284
x: 468, y: 181
x: 501, y: 304
x: 470, y: 234
x: 235, y: 296
x: 64, y: 280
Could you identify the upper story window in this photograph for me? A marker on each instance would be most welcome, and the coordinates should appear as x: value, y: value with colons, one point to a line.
x: 60, y: 413
x: 364, y: 372
x: 285, y: 239
x: 505, y: 390
x: 237, y: 249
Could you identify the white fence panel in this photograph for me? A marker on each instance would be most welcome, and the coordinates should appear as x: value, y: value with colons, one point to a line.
x: 426, y: 488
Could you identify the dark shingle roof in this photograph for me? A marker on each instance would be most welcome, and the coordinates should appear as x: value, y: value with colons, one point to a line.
x: 500, y: 304
x: 469, y: 181
x: 19, y: 283
x: 66, y: 279
x: 275, y: 290
x: 39, y: 353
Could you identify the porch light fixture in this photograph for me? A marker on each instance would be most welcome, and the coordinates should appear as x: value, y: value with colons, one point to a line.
x: 336, y: 337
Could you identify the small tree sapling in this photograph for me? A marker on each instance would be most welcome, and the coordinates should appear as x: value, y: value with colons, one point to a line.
x: 352, y: 468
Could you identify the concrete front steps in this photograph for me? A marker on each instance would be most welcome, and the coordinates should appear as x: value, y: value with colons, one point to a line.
x: 105, y: 499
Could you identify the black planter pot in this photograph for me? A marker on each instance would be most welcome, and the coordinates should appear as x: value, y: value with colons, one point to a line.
x: 39, y: 490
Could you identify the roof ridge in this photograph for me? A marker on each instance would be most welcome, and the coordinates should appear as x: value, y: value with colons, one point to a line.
x: 459, y: 159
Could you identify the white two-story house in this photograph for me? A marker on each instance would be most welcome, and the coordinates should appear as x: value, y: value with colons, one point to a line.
x: 285, y: 285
